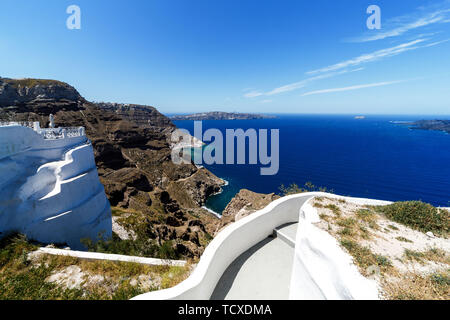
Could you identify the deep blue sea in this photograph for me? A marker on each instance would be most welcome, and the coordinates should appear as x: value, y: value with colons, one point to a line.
x: 371, y: 158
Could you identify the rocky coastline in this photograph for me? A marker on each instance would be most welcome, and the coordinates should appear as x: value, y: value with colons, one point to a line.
x: 435, y: 125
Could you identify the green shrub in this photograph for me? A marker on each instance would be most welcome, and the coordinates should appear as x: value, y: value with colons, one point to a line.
x: 418, y: 215
x: 336, y: 210
x: 403, y: 239
x: 363, y: 256
x: 440, y: 279
x: 293, y: 188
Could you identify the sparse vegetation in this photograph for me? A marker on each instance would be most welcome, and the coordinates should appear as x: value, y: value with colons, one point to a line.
x: 293, y: 188
x: 403, y: 239
x: 432, y: 254
x: 346, y: 232
x: 347, y: 222
x: 363, y: 256
x: 144, y: 241
x: 23, y: 279
x: 142, y: 247
x: 373, y: 225
x: 336, y: 210
x: 366, y: 215
x: 413, y: 286
x: 364, y: 232
x: 31, y: 82
x: 318, y: 205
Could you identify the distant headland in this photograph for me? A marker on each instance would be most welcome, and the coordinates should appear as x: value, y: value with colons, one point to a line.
x: 437, y: 125
x: 218, y: 115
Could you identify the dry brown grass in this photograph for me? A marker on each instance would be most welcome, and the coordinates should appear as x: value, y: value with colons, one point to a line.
x: 364, y: 257
x: 118, y: 275
x: 414, y: 286
x: 116, y: 269
x: 433, y: 254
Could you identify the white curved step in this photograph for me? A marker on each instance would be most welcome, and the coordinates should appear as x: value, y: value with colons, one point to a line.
x: 66, y: 227
x: 69, y: 193
x: 286, y: 233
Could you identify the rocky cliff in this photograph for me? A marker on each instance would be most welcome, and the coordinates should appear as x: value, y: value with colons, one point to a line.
x: 244, y: 203
x: 141, y: 115
x: 219, y: 115
x: 25, y: 91
x: 132, y: 153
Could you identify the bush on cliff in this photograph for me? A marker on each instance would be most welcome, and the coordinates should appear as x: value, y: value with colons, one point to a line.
x: 418, y: 215
x: 293, y: 188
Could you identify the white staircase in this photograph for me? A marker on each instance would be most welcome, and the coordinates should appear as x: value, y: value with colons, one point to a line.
x: 286, y: 233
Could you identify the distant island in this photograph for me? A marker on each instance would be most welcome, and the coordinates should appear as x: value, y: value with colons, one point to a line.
x: 218, y: 115
x: 438, y: 125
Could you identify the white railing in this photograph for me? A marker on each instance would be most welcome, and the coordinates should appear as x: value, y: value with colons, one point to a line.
x: 27, y: 124
x: 48, y: 133
x: 62, y: 133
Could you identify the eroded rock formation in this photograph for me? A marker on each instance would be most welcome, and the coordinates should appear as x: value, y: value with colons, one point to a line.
x: 244, y: 203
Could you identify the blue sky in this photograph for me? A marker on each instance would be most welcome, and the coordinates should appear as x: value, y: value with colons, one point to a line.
x: 238, y: 55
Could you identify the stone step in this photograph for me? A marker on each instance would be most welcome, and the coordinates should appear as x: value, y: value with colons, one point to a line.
x: 286, y: 233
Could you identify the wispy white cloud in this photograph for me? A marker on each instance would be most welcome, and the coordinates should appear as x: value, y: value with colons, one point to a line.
x: 401, y: 25
x: 347, y: 65
x: 253, y: 94
x: 297, y: 85
x: 266, y: 101
x: 370, y: 57
x: 356, y: 64
x: 356, y: 87
x: 303, y: 83
x: 436, y: 43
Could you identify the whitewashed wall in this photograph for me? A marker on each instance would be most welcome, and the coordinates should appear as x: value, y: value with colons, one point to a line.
x: 322, y: 270
x: 228, y: 245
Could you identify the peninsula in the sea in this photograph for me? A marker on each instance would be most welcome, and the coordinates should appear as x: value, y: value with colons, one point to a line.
x: 437, y: 125
x: 218, y: 115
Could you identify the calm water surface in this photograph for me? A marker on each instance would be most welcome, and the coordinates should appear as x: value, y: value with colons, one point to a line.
x: 372, y: 158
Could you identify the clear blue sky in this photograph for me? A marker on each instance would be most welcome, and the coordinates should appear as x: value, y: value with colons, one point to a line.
x: 238, y: 55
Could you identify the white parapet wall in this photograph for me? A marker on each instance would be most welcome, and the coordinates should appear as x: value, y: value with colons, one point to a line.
x: 50, y: 186
x: 228, y: 245
x: 240, y: 236
x: 109, y: 257
x: 322, y: 270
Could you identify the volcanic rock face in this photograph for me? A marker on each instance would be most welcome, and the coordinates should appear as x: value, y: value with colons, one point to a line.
x: 132, y: 153
x: 243, y: 204
x: 14, y: 92
x: 141, y: 115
